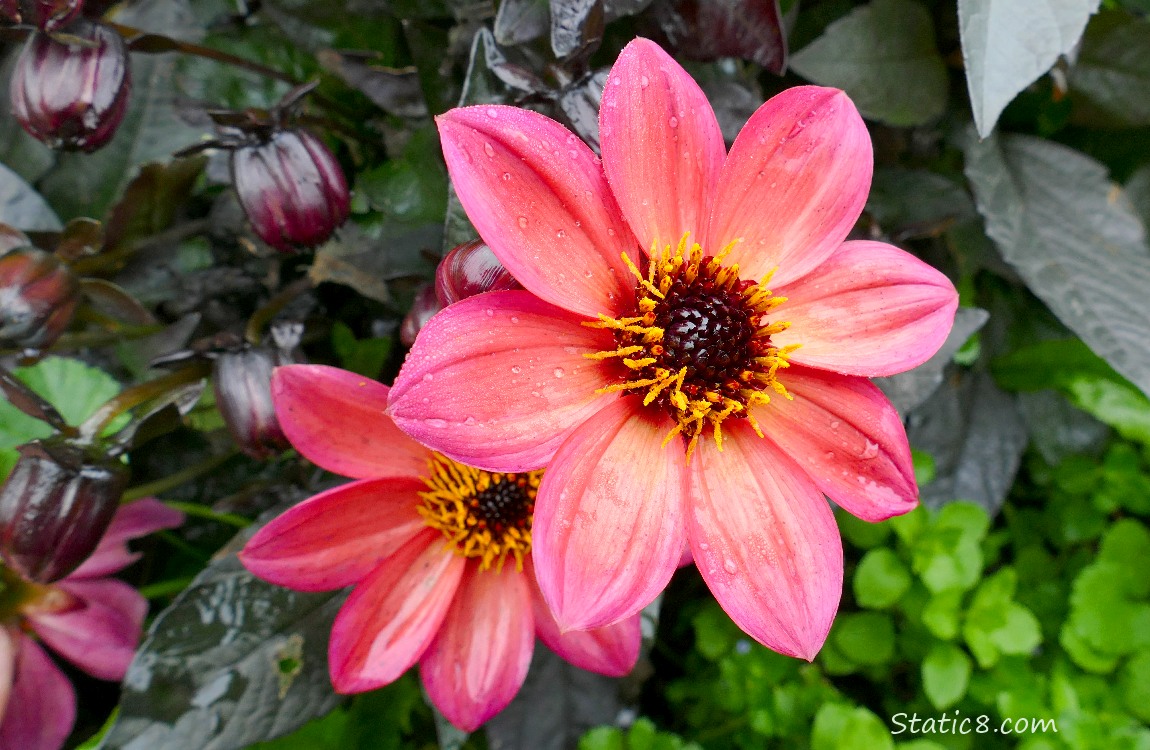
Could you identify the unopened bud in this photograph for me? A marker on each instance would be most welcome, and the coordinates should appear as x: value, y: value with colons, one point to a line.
x: 72, y: 95
x: 55, y: 507
x: 47, y: 15
x: 470, y: 269
x: 38, y: 295
x: 242, y: 381
x: 291, y: 188
x: 426, y: 304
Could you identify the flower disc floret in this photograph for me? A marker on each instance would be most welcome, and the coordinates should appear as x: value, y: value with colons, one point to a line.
x: 483, y: 514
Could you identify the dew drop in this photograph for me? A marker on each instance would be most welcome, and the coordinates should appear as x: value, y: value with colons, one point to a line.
x: 835, y: 424
x: 516, y: 369
x: 573, y: 154
x: 514, y: 320
x: 871, y: 450
x: 730, y: 567
x: 506, y: 176
x: 427, y: 377
x: 617, y: 81
x: 560, y: 234
x: 487, y: 149
x: 558, y: 372
x: 610, y: 231
x: 438, y: 424
x: 589, y: 274
x: 830, y: 455
x: 673, y: 122
x: 703, y: 546
x: 492, y: 112
x: 522, y: 222
x: 469, y: 421
x: 535, y: 394
x: 490, y: 313
x: 644, y: 81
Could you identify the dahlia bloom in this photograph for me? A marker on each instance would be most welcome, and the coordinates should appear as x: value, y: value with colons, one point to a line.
x: 691, y: 354
x: 438, y: 552
x: 87, y: 618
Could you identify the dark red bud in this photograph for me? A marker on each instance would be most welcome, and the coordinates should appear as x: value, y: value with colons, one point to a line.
x: 470, y: 269
x: 47, y: 15
x: 72, y: 96
x: 425, y: 305
x: 55, y: 507
x: 38, y: 295
x: 291, y: 188
x: 243, y: 385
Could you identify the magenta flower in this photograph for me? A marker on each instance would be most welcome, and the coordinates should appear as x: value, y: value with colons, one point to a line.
x: 674, y: 397
x: 438, y: 552
x: 89, y: 619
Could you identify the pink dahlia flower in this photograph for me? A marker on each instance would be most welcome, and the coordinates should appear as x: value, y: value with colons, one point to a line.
x: 438, y: 552
x: 87, y: 618
x: 691, y: 354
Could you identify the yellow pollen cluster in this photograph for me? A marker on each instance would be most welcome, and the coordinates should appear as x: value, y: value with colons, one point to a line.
x: 483, y: 514
x: 692, y: 400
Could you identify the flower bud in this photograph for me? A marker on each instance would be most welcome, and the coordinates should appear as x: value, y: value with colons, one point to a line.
x: 72, y: 96
x: 291, y: 188
x: 425, y: 305
x: 47, y: 15
x: 56, y: 506
x: 470, y: 269
x: 243, y: 385
x: 38, y: 295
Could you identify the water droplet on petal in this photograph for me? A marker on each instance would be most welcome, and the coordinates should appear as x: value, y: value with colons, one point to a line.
x: 427, y: 377
x: 516, y: 369
x: 438, y: 424
x: 514, y: 320
x: 871, y: 450
x: 835, y: 424
x: 506, y: 176
x: 644, y: 81
x: 558, y: 372
x: 730, y: 566
x: 560, y: 234
x: 490, y: 313
x: 522, y: 222
x: 673, y: 122
x: 492, y: 112
x: 830, y: 455
x: 487, y: 149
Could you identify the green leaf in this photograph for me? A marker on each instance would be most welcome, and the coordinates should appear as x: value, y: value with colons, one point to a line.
x: 1135, y: 685
x: 1073, y: 238
x: 1008, y: 44
x: 866, y: 638
x: 1110, y: 80
x: 361, y: 356
x: 1050, y: 364
x: 641, y: 736
x: 949, y: 554
x: 21, y: 206
x: 942, y: 613
x: 1115, y: 403
x: 945, y: 675
x: 883, y: 55
x: 839, y: 727
x: 880, y: 579
x: 861, y: 533
x: 412, y: 188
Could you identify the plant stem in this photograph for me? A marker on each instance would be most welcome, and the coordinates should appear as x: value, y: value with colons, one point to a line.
x: 183, y: 476
x: 107, y: 261
x: 161, y: 589
x: 203, y: 511
x: 169, y: 44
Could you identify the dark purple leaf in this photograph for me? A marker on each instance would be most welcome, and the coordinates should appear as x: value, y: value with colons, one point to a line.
x: 576, y: 27
x: 709, y: 29
x: 395, y: 91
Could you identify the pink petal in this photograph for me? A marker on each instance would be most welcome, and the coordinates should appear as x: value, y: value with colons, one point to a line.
x: 870, y: 310
x: 608, y: 528
x: 765, y: 541
x: 662, y: 148
x: 132, y: 520
x: 42, y: 705
x: 100, y: 636
x: 498, y: 380
x: 337, y: 420
x: 538, y: 197
x: 844, y: 432
x: 338, y: 537
x: 611, y: 650
x: 7, y: 666
x: 793, y: 185
x: 390, y: 619
x: 479, y: 660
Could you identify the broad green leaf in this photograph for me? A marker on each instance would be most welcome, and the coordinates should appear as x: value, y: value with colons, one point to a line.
x: 840, y: 727
x: 883, y: 55
x: 1008, y: 44
x: 21, y: 206
x: 232, y: 661
x: 1110, y: 80
x: 1117, y: 404
x: 861, y: 533
x: 865, y: 638
x: 945, y: 675
x: 880, y: 579
x: 942, y: 612
x: 1073, y: 238
x: 1049, y: 364
x: 1135, y: 684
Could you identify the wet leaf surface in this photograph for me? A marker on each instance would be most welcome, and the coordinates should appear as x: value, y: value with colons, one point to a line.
x: 21, y: 206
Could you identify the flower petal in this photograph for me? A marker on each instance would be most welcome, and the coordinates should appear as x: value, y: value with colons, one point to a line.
x: 537, y: 195
x: 662, y: 147
x: 793, y: 185
x: 871, y: 310
x: 42, y: 705
x: 611, y: 650
x: 390, y: 618
x: 337, y: 420
x: 608, y: 528
x: 498, y: 380
x: 848, y: 437
x: 336, y: 538
x: 7, y: 666
x: 132, y: 520
x: 479, y: 660
x: 766, y: 542
x: 99, y: 636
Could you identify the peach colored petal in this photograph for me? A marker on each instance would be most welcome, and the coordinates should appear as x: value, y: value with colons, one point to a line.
x: 662, y: 148
x: 871, y: 310
x: 132, y: 520
x: 793, y: 185
x: 42, y: 704
x: 765, y: 541
x: 99, y: 636
x: 498, y: 380
x: 338, y: 537
x: 393, y: 615
x: 611, y: 650
x: 608, y: 528
x: 479, y: 660
x: 336, y: 419
x: 537, y: 195
x: 848, y: 437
